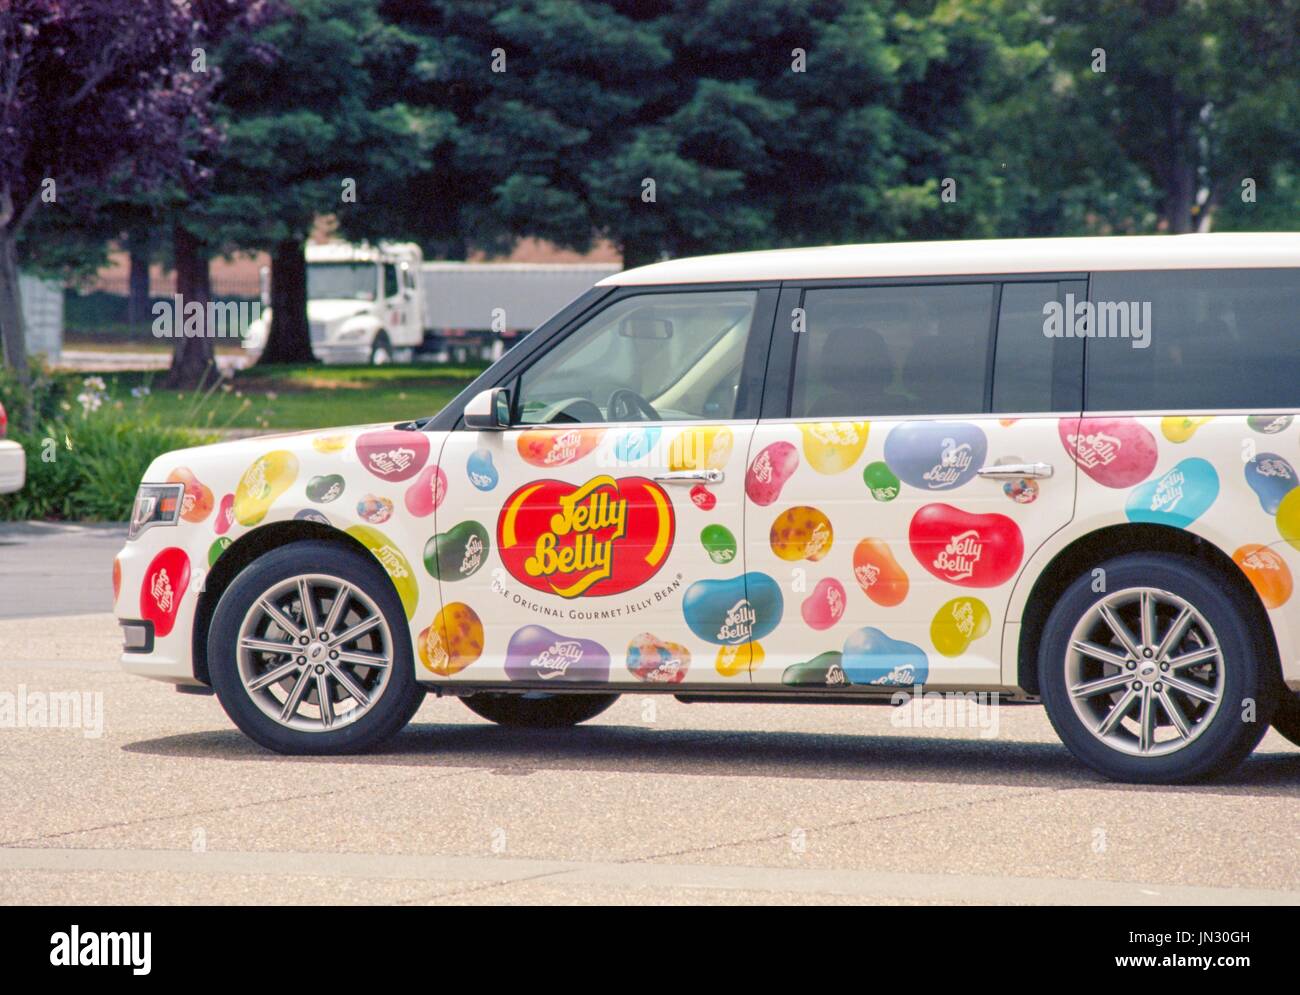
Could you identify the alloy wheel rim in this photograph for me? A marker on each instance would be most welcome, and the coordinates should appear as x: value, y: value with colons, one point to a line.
x: 1144, y: 672
x: 314, y: 653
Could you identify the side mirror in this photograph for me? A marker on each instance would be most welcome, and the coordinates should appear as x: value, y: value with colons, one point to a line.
x: 489, y: 411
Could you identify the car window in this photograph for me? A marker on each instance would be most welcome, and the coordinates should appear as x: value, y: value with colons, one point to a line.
x: 390, y: 280
x: 871, y: 351
x: 667, y: 356
x: 1193, y: 340
x: 1022, y: 369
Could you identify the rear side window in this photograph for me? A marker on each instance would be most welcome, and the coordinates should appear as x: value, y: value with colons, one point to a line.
x: 876, y: 351
x: 1194, y: 340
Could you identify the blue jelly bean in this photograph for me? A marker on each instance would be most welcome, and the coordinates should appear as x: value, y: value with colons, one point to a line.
x: 871, y: 657
x: 1271, y: 478
x: 635, y: 444
x: 936, y: 455
x: 734, y: 611
x: 311, y: 515
x: 482, y: 474
x: 1178, y: 497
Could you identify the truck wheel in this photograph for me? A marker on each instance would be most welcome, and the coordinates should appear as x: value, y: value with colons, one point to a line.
x: 543, y: 711
x: 1286, y: 719
x: 1156, y: 679
x: 381, y: 353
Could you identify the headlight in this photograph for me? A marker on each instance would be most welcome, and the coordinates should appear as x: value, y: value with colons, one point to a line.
x: 155, y: 504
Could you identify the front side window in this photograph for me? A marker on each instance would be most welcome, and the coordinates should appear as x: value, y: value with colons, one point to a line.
x: 652, y: 357
x: 390, y: 280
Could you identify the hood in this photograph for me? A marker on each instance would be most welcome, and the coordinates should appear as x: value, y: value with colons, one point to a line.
x: 331, y: 309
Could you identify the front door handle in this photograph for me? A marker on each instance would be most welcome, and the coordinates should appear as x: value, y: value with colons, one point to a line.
x: 690, y: 477
x: 1014, y: 471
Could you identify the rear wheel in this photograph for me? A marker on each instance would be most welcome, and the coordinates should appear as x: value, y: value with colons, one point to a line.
x: 540, y: 711
x: 1286, y: 719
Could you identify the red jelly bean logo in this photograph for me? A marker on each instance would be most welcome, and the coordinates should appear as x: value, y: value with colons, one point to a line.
x: 1115, y: 452
x: 966, y: 549
x: 164, y: 585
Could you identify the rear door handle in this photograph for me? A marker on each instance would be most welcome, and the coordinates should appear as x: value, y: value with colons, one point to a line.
x: 1014, y: 471
x: 690, y: 477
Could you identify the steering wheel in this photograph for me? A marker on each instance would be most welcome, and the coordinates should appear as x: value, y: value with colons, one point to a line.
x: 628, y: 405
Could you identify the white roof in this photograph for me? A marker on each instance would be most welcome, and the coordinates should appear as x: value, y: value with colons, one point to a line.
x: 974, y: 258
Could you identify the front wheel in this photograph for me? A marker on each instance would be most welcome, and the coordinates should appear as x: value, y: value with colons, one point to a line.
x: 1155, y: 678
x: 542, y: 711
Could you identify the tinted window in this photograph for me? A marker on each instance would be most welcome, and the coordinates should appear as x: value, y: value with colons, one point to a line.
x: 390, y: 280
x: 670, y: 356
x: 1022, y: 371
x: 869, y: 351
x: 1194, y: 340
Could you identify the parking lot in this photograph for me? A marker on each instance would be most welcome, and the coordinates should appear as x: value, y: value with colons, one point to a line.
x: 155, y: 797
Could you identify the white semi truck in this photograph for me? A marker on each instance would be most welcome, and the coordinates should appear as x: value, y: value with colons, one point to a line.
x: 382, y: 303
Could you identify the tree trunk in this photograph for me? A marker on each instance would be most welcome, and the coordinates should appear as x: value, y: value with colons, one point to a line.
x: 13, y: 334
x: 193, y: 365
x: 137, y: 302
x: 288, y: 340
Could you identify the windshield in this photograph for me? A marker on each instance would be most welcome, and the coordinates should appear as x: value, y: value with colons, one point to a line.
x: 341, y: 281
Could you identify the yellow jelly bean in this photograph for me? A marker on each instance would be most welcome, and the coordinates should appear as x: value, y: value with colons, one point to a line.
x: 832, y: 447
x: 733, y: 660
x: 957, y: 624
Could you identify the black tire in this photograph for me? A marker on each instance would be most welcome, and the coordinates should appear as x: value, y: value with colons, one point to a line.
x: 381, y: 350
x: 1286, y: 720
x: 389, y: 712
x: 1227, y: 736
x: 549, y: 712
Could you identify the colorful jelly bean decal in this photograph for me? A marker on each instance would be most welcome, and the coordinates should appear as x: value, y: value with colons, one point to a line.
x: 966, y: 549
x: 881, y: 481
x: 635, y: 444
x: 825, y: 606
x: 482, y: 474
x: 1267, y: 572
x: 426, y: 492
x: 742, y: 658
x: 703, y: 498
x: 1271, y: 478
x: 772, y: 467
x: 935, y: 455
x: 719, y: 543
x: 548, y: 448
x: 657, y: 661
x: 878, y: 573
x: 706, y: 448
x: 871, y: 657
x: 1180, y: 428
x: 164, y: 584
x: 535, y: 653
x: 1269, y: 424
x: 457, y: 553
x: 117, y: 579
x: 833, y: 447
x: 326, y: 488
x: 196, y: 505
x: 958, y: 623
x: 269, y: 477
x: 1288, y: 518
x: 733, y: 611
x: 219, y: 546
x: 452, y: 641
x: 225, y: 515
x: 801, y: 533
x: 329, y: 443
x: 1021, y: 491
x: 826, y: 670
x: 393, y: 454
x: 375, y: 509
x: 393, y: 561
x: 311, y: 515
x: 1115, y: 452
x: 1176, y: 498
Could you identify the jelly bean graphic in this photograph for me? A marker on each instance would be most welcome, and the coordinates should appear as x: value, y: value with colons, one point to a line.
x: 881, y: 481
x: 657, y: 661
x: 426, y: 492
x: 703, y: 498
x: 225, y: 515
x: 704, y: 448
x: 548, y: 448
x: 196, y: 505
x: 1021, y: 491
x: 535, y: 653
x: 1269, y: 424
x: 733, y: 660
x: 1288, y: 518
x: 457, y: 553
x: 311, y: 515
x: 772, y: 467
x: 263, y: 482
x: 394, y: 562
x: 833, y: 447
x: 826, y: 670
x: 219, y: 546
x: 966, y: 549
x: 1267, y: 572
x: 878, y: 573
x: 733, y: 611
x: 329, y: 443
x: 635, y: 444
x: 871, y: 657
x: 117, y: 579
x: 482, y: 474
x: 825, y: 606
x: 1180, y: 428
x: 326, y: 488
x: 1115, y: 452
x: 393, y: 454
x: 164, y: 584
x: 935, y: 455
x: 719, y: 543
x: 1271, y: 478
x: 801, y: 533
x: 958, y: 623
x: 375, y: 509
x: 1176, y: 498
x: 452, y: 641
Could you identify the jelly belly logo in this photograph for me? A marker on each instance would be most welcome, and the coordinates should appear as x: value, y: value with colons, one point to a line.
x: 603, y: 537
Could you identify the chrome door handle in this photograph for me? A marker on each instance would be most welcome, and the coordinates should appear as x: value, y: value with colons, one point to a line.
x: 690, y: 477
x: 1012, y: 471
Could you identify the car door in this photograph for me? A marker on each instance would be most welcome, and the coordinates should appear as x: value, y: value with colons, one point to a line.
x: 896, y: 495
x: 597, y: 540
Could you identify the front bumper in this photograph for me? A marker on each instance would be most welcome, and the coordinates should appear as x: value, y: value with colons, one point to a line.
x: 13, y: 467
x: 167, y: 656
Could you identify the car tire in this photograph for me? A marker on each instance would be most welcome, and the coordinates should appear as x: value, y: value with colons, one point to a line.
x: 1214, y: 656
x: 1286, y: 719
x: 243, y: 659
x: 381, y: 350
x: 540, y: 712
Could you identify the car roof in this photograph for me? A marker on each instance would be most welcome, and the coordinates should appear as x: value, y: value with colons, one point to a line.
x: 977, y: 257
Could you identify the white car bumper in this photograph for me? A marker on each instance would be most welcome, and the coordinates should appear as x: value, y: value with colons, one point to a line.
x: 13, y: 467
